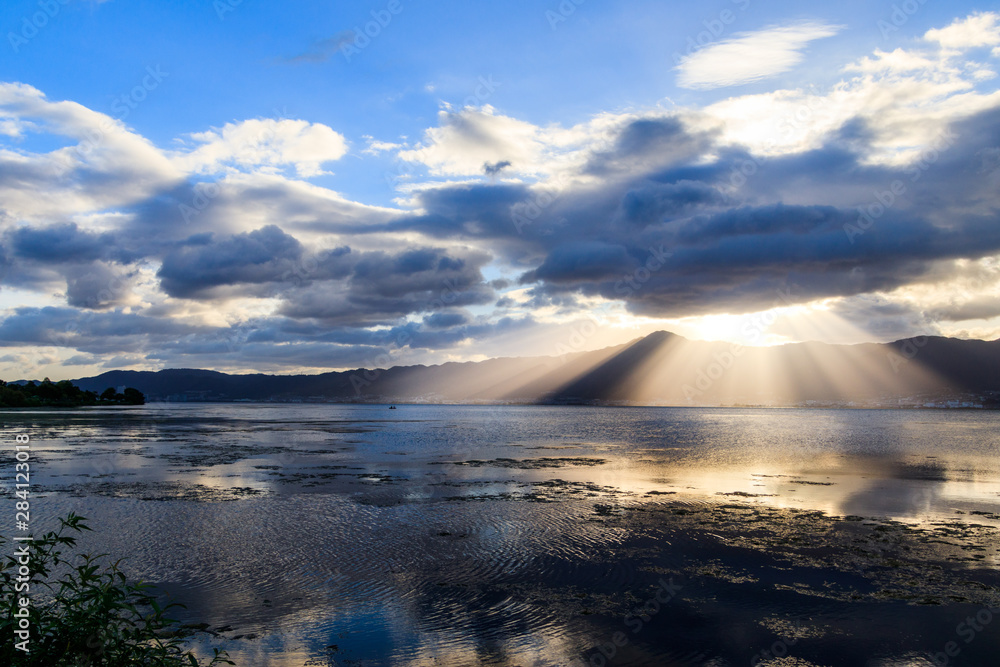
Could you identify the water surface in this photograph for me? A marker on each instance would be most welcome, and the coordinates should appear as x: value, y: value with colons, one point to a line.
x: 327, y: 534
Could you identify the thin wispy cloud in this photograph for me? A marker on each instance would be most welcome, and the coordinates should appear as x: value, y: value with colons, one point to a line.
x: 750, y: 57
x: 322, y: 50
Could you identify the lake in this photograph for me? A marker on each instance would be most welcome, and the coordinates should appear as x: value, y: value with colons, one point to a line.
x: 537, y: 535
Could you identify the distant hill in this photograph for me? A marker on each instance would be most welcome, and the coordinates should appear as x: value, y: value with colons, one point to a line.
x: 661, y: 368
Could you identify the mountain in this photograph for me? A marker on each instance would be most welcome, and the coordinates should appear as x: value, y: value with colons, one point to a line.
x: 661, y: 368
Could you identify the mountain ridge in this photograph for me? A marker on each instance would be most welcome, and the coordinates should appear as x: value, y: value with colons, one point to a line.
x: 660, y: 368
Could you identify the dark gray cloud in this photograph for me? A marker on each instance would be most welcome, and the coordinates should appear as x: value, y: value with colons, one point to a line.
x: 730, y: 227
x: 428, y: 338
x: 494, y: 168
x: 445, y: 320
x: 665, y: 219
x: 252, y: 258
x: 383, y: 287
x: 648, y: 143
x: 97, y: 286
x: 652, y: 203
x: 468, y: 210
x: 66, y: 243
x: 91, y: 332
x: 975, y: 309
x: 94, y: 266
x: 575, y: 262
x: 883, y: 319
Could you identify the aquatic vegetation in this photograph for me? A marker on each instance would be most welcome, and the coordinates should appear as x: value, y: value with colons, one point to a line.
x: 77, y: 611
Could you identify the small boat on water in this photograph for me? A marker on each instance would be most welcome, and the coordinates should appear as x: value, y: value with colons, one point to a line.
x: 392, y: 407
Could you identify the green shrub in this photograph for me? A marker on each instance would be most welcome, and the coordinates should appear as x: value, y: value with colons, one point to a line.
x: 63, y: 394
x: 92, y: 616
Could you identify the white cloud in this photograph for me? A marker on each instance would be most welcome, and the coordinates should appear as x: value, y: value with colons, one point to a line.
x: 468, y: 139
x: 375, y: 146
x: 65, y: 181
x: 266, y: 145
x: 897, y: 61
x: 905, y: 98
x: 750, y: 56
x: 12, y: 127
x: 979, y: 29
x: 898, y: 101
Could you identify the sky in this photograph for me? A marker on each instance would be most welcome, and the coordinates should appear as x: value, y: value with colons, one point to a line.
x: 252, y: 186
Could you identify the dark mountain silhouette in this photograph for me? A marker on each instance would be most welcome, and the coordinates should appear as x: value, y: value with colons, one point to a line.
x: 661, y: 368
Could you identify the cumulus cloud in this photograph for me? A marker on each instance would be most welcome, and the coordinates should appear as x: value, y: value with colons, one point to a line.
x: 98, y: 286
x: 267, y: 145
x: 979, y: 29
x: 750, y: 57
x: 101, y: 164
x: 384, y: 287
x: 468, y: 139
x: 733, y: 241
x: 649, y: 214
x: 252, y: 258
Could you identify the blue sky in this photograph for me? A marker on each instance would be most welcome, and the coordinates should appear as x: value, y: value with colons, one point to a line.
x: 257, y: 186
x: 229, y: 63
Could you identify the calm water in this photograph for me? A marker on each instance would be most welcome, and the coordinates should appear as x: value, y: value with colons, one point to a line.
x: 504, y: 535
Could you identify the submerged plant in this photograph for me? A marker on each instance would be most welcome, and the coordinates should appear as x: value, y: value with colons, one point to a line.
x: 90, y: 615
